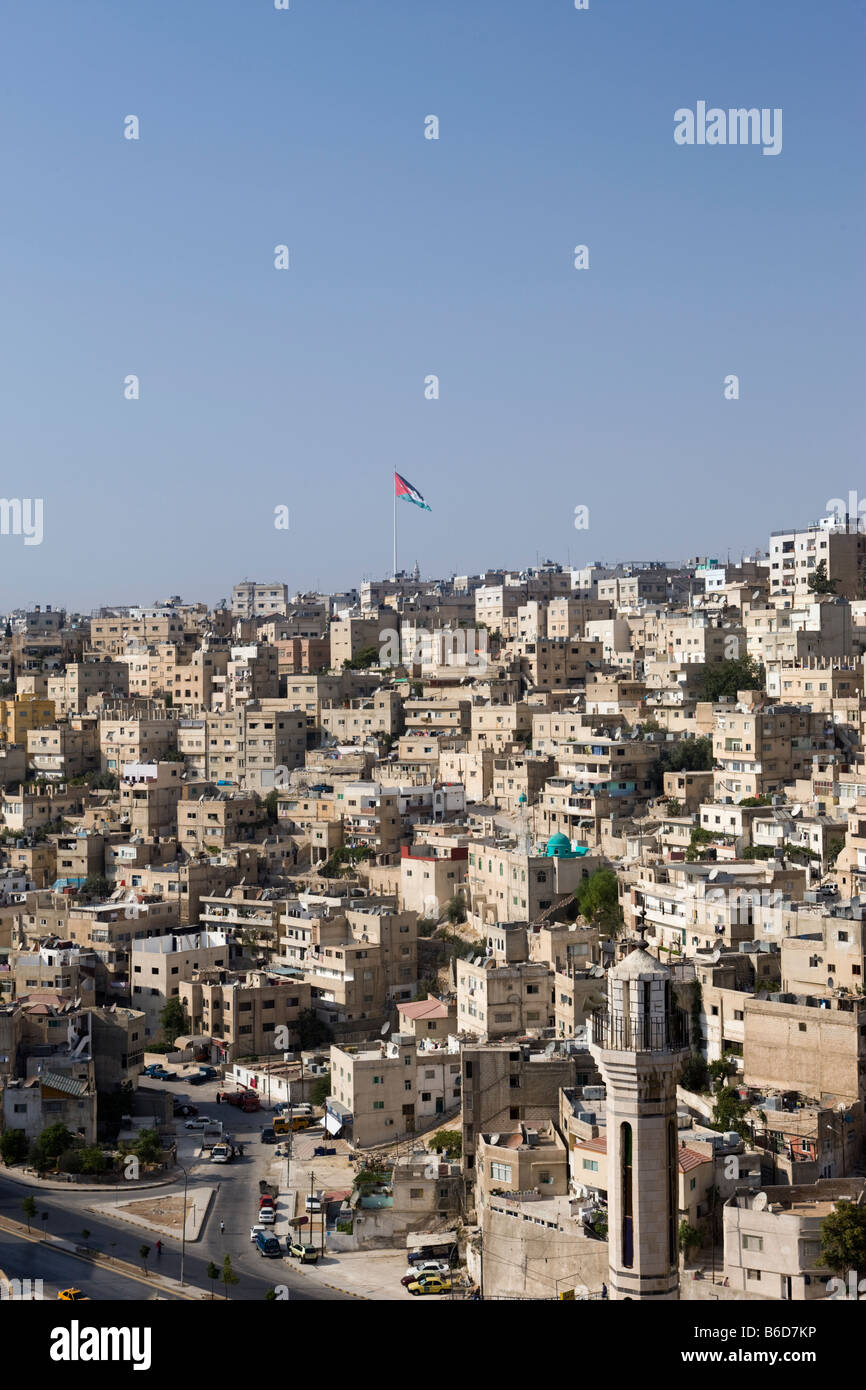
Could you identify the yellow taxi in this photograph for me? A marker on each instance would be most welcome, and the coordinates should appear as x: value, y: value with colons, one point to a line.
x: 74, y: 1296
x: 430, y: 1283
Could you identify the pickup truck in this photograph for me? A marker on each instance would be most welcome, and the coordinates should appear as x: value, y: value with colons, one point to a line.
x: 209, y: 1073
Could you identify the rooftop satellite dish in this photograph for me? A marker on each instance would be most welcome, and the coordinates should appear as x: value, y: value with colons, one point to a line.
x: 713, y: 874
x: 761, y: 1202
x: 384, y: 1029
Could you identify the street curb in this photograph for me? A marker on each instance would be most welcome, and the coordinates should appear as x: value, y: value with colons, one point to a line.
x: 39, y: 1186
x: 97, y: 1260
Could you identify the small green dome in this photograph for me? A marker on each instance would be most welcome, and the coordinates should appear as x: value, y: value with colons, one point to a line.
x: 559, y: 846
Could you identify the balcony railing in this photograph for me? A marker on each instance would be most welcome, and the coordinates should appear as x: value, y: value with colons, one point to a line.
x: 628, y: 1034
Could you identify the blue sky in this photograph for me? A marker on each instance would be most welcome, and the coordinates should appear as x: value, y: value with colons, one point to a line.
x: 558, y: 387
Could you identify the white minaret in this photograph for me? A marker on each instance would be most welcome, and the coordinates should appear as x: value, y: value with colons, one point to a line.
x: 640, y: 1045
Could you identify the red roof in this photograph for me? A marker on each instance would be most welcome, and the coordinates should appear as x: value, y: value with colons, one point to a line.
x: 431, y: 1007
x: 687, y: 1158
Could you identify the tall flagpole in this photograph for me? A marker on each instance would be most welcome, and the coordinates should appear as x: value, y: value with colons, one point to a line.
x: 395, y: 527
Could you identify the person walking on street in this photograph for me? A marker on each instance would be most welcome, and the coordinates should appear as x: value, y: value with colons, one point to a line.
x: 159, y: 1247
x: 222, y: 1227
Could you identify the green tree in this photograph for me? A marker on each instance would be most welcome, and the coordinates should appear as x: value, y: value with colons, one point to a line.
x: 229, y: 1278
x: 94, y: 888
x: 312, y: 1032
x: 28, y: 1206
x: 147, y: 1146
x: 271, y: 803
x: 173, y: 1020
x: 729, y: 1112
x: 213, y: 1274
x: 54, y: 1140
x: 270, y: 1296
x: 320, y: 1089
x: 456, y: 909
x: 13, y: 1146
x: 366, y: 657
x: 818, y: 581
x: 727, y: 677
x: 144, y: 1251
x: 843, y: 1239
x: 689, y: 1239
x: 93, y: 1160
x: 694, y: 1073
x: 685, y: 755
x: 451, y: 1140
x: 597, y: 900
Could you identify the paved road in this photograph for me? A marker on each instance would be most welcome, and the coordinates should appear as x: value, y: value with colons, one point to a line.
x: 24, y: 1259
x: 235, y: 1203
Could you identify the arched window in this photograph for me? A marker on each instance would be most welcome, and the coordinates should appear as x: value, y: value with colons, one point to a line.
x: 627, y: 1212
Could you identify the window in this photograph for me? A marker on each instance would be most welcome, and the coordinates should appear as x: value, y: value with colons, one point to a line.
x: 753, y: 1242
x: 591, y: 1165
x: 500, y: 1172
x: 378, y: 1105
x: 753, y: 1274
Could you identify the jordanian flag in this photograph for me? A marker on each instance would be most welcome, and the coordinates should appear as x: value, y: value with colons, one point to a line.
x: 404, y: 489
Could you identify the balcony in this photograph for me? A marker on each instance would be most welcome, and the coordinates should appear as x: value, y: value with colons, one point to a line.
x: 629, y: 1034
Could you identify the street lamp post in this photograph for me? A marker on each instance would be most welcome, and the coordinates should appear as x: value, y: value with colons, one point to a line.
x: 183, y: 1223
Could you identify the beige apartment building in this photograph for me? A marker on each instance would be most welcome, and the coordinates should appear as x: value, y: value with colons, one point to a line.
x: 66, y: 750
x: 818, y: 1048
x: 135, y: 733
x: 85, y: 680
x: 365, y: 717
x: 159, y: 965
x: 526, y: 1158
x: 248, y: 745
x: 112, y: 635
x: 498, y: 727
x: 508, y: 884
x: 189, y: 677
x: 795, y: 555
x: 758, y: 749
x: 214, y: 822
x: 505, y: 1084
x: 253, y: 599
x: 149, y: 793
x: 772, y: 1238
x: 246, y: 1015
x: 567, y: 617
x: 349, y: 636
x: 388, y: 1089
x: 499, y: 1001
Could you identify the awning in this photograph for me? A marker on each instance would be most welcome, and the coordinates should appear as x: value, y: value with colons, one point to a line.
x: 422, y: 1238
x: 332, y: 1124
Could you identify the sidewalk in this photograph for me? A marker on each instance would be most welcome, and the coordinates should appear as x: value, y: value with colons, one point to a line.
x: 95, y: 1258
x: 369, y: 1274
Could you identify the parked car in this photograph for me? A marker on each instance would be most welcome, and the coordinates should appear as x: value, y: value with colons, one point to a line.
x: 184, y: 1107
x: 307, y: 1254
x: 196, y: 1079
x: 267, y: 1216
x: 266, y: 1200
x: 209, y: 1073
x: 74, y: 1296
x: 268, y: 1245
x: 430, y: 1283
x: 256, y: 1230
x: 313, y: 1204
x: 201, y: 1123
x: 268, y: 1136
x: 416, y: 1272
